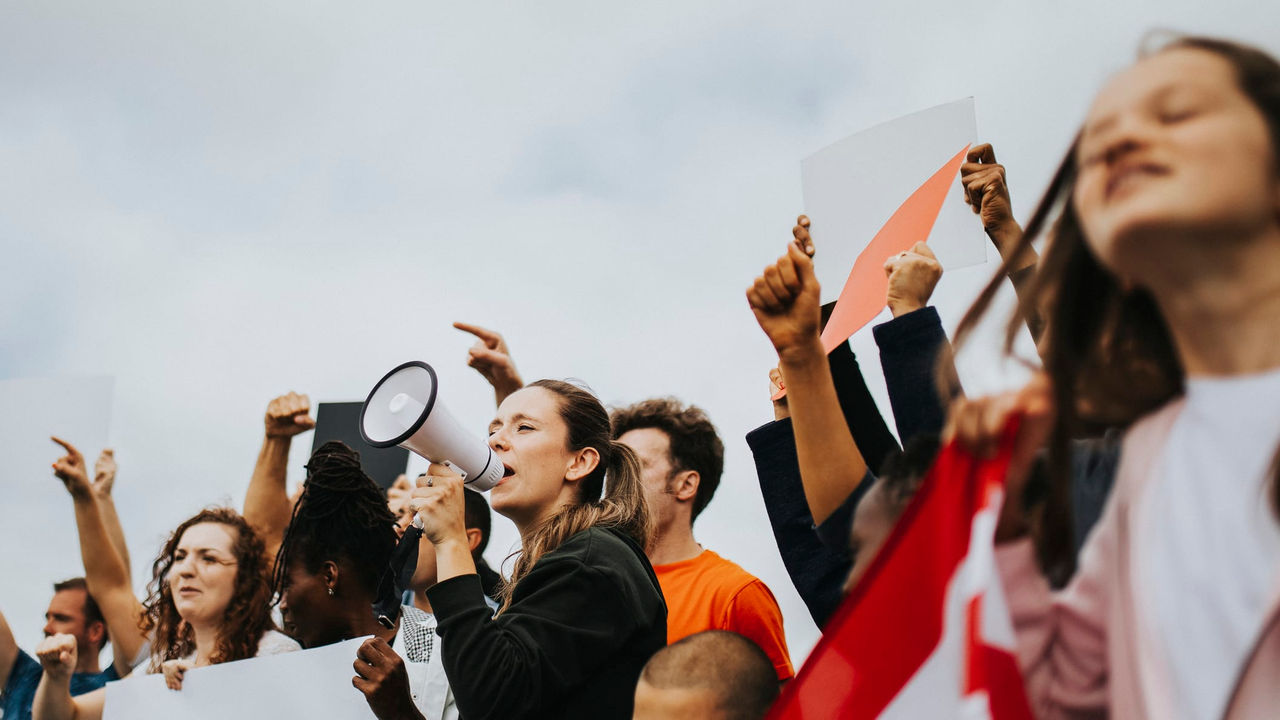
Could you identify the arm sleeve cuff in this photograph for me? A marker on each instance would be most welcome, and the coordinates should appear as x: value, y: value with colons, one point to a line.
x: 456, y: 595
x: 923, y: 322
x: 770, y: 435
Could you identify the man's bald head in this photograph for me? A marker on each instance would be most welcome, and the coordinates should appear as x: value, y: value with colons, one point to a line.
x: 713, y: 674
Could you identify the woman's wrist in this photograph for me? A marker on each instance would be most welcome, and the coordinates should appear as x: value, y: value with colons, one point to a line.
x: 453, y: 558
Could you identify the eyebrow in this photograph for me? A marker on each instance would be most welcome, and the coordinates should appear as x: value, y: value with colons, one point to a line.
x: 514, y: 418
x: 201, y: 549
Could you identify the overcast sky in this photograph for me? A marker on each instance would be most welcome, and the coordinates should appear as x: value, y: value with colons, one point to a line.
x: 219, y: 202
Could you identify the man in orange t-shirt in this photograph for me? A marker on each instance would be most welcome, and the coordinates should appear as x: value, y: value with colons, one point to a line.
x: 681, y: 459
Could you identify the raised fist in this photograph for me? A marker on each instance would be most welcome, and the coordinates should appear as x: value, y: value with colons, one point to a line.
x: 57, y: 654
x: 104, y: 472
x: 784, y: 299
x: 912, y: 277
x: 289, y: 415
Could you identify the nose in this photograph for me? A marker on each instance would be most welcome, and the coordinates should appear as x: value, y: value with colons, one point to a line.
x: 499, y: 441
x: 1129, y: 133
x: 184, y: 567
x: 49, y: 629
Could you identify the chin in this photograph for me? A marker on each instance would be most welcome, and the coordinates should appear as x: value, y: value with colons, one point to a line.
x: 1124, y: 242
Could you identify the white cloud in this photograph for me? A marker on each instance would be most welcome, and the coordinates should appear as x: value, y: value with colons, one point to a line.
x: 220, y: 202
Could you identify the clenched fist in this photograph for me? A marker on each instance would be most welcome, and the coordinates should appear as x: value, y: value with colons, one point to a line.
x: 784, y: 299
x: 912, y: 277
x: 57, y: 654
x: 289, y: 415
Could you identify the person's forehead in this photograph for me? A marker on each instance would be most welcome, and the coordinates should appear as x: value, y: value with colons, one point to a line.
x: 69, y: 601
x: 214, y: 536
x: 1163, y: 72
x: 533, y: 402
x: 647, y: 441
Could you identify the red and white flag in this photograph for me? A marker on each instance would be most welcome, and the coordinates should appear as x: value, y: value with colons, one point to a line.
x: 926, y: 631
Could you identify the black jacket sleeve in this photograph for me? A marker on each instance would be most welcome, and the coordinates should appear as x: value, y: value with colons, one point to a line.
x: 910, y: 349
x: 816, y: 569
x: 865, y: 422
x: 567, y: 619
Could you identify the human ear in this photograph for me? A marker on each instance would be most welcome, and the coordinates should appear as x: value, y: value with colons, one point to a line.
x: 330, y: 574
x: 97, y: 633
x: 474, y: 536
x: 584, y: 461
x: 685, y: 485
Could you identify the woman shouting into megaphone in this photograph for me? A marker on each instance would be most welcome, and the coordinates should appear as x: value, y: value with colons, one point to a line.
x: 582, y: 611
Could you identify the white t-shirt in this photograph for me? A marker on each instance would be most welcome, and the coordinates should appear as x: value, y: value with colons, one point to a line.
x: 272, y: 642
x: 416, y: 643
x: 1208, y: 542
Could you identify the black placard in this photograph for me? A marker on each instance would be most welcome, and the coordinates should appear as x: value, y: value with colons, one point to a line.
x: 341, y: 421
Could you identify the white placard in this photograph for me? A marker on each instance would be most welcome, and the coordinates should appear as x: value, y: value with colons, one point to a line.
x: 312, y: 683
x: 852, y: 187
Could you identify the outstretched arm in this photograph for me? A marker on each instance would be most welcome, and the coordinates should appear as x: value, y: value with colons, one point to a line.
x: 785, y: 303
x: 104, y: 570
x: 267, y: 506
x: 104, y: 481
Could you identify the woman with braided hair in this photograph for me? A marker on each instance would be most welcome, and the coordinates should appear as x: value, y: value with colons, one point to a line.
x: 209, y: 603
x: 327, y: 573
x: 582, y: 611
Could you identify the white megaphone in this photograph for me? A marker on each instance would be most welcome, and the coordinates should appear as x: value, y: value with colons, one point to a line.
x: 402, y: 409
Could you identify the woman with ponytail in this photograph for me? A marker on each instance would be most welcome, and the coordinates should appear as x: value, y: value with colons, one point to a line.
x: 582, y: 611
x: 1161, y: 284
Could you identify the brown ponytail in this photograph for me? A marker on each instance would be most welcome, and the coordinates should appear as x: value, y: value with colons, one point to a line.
x: 611, y: 496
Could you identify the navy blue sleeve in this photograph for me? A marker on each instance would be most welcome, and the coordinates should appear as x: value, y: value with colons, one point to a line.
x: 865, y: 422
x: 817, y: 570
x: 910, y: 348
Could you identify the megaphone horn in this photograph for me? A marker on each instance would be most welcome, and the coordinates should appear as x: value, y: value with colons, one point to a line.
x: 404, y: 409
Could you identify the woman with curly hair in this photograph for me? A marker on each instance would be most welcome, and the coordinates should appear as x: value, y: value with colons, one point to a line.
x: 209, y: 602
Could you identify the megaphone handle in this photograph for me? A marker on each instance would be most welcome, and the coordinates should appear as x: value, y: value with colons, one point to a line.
x: 456, y: 469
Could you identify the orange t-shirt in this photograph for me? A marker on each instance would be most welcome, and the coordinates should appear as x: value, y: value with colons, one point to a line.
x: 710, y: 593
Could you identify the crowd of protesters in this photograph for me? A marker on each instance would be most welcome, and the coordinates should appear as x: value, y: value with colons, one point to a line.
x: 1139, y: 541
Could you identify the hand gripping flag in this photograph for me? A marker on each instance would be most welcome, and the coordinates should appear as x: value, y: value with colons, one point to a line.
x: 926, y: 632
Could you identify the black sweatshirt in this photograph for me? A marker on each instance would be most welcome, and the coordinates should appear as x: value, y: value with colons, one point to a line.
x: 580, y: 627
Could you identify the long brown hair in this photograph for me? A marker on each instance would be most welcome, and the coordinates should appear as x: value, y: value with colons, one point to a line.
x: 1106, y: 347
x: 248, y: 615
x: 619, y: 503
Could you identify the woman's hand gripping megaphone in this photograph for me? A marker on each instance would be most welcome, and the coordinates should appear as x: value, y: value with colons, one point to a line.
x: 439, y: 505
